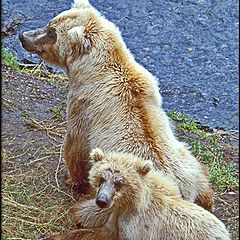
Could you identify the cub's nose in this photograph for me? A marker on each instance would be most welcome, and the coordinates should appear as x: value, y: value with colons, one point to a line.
x: 102, y: 202
x: 21, y: 37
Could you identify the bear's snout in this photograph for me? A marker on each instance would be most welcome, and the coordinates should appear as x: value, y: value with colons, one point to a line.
x: 102, y: 201
x: 29, y: 39
x: 27, y: 42
x: 105, y: 195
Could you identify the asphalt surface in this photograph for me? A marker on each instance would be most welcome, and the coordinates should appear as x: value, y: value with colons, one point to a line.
x: 192, y: 47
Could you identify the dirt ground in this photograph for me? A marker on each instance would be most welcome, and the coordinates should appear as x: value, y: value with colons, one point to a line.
x: 35, y: 196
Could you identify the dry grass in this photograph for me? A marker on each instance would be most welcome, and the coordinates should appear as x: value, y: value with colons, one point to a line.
x: 33, y: 202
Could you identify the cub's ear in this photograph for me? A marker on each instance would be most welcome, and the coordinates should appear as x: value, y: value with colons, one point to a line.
x: 97, y: 155
x: 144, y: 167
x: 80, y: 4
x: 77, y: 37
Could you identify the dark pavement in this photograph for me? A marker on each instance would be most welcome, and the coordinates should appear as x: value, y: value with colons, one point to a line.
x: 192, y: 47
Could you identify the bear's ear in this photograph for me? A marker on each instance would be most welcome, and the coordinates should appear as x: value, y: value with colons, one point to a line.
x: 77, y: 36
x: 144, y: 167
x: 97, y: 155
x: 81, y: 4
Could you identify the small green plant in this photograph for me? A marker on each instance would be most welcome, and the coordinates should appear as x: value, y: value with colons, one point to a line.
x: 186, y: 124
x: 177, y: 117
x: 206, y: 147
x: 58, y: 111
x: 10, y: 59
x: 25, y: 114
x: 52, y: 80
x: 221, y: 173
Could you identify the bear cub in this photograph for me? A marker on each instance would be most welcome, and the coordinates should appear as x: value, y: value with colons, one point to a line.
x: 139, y: 203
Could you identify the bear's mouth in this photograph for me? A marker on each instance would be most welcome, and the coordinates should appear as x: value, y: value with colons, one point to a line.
x: 34, y: 40
x: 29, y: 45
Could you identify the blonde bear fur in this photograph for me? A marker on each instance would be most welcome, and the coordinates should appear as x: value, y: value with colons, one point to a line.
x: 146, y: 206
x: 113, y: 102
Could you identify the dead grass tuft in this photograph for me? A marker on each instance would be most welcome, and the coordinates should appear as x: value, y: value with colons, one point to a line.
x: 34, y: 203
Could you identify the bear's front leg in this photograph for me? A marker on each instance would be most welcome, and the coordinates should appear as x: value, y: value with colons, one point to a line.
x: 87, y: 214
x: 205, y: 191
x: 76, y: 157
x: 205, y: 200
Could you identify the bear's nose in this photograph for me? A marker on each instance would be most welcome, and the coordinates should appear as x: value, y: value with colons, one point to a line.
x: 21, y: 37
x: 102, y: 202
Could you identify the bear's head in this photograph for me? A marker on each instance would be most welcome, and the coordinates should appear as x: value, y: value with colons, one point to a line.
x: 72, y: 36
x: 119, y: 179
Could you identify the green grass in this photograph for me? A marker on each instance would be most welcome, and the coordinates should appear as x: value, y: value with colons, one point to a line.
x: 58, y: 111
x: 207, y: 148
x: 39, y: 70
x: 221, y: 173
x: 25, y: 114
x: 10, y: 59
x: 186, y: 124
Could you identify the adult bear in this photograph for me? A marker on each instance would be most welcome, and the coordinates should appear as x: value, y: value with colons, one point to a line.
x: 113, y: 102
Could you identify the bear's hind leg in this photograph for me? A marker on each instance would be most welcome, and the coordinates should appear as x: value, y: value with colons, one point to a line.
x: 205, y: 199
x: 205, y: 191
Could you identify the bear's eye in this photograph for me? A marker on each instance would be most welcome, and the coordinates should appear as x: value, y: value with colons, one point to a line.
x: 101, y: 180
x: 118, y: 185
x: 51, y: 33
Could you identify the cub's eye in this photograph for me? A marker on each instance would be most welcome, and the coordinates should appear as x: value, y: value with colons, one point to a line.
x: 101, y: 180
x: 118, y: 185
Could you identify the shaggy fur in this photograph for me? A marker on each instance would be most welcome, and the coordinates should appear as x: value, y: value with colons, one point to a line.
x: 113, y: 102
x: 147, y: 206
x: 86, y: 214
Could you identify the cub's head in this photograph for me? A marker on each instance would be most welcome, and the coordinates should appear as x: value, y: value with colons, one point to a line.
x: 118, y: 178
x: 72, y: 35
